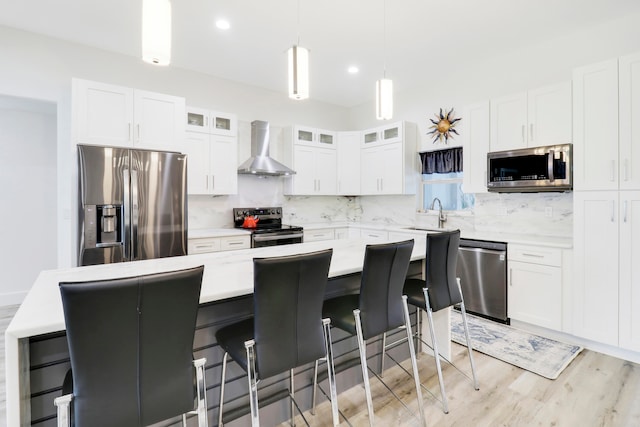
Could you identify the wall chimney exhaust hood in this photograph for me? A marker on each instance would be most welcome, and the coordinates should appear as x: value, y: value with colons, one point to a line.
x: 260, y: 163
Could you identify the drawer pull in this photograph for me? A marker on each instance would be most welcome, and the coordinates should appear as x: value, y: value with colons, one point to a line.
x: 532, y: 255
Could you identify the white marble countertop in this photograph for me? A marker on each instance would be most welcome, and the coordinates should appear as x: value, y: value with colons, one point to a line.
x: 524, y: 239
x: 226, y: 275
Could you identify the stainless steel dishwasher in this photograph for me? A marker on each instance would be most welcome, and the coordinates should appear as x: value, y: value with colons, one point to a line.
x: 482, y: 269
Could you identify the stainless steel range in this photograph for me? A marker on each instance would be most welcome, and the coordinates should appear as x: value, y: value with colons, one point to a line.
x: 266, y: 226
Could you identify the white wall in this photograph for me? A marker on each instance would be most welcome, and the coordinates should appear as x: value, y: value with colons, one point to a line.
x: 28, y: 194
x: 41, y: 68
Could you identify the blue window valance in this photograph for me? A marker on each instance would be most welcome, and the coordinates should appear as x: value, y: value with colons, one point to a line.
x: 442, y: 161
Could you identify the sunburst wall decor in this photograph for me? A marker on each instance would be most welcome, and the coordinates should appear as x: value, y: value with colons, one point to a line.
x: 443, y: 127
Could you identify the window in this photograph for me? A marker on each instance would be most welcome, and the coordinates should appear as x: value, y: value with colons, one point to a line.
x: 442, y: 178
x: 448, y: 188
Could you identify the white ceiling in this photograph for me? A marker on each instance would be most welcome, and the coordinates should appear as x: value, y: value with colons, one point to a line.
x: 424, y: 37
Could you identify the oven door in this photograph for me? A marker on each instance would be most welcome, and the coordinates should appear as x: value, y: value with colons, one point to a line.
x: 262, y: 240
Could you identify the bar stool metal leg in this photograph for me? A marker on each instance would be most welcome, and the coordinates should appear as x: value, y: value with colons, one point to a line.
x: 331, y: 373
x: 363, y: 362
x: 224, y: 374
x: 201, y: 393
x: 315, y: 387
x: 292, y: 385
x: 463, y: 311
x: 436, y: 354
x: 253, y: 382
x: 414, y: 363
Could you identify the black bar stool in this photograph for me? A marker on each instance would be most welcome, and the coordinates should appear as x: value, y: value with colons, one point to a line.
x: 440, y: 290
x: 287, y: 330
x: 380, y: 307
x: 131, y: 348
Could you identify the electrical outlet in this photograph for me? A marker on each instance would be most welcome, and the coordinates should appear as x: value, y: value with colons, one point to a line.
x: 548, y: 211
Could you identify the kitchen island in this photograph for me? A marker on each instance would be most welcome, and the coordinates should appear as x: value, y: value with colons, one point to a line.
x: 38, y: 325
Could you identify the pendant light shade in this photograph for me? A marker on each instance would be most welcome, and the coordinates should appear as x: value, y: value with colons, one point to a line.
x: 156, y: 31
x: 298, y: 72
x: 384, y: 99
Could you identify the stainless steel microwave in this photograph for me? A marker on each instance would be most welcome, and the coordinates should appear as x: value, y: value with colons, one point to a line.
x: 528, y: 170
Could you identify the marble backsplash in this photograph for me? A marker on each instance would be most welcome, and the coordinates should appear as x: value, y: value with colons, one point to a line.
x: 549, y: 214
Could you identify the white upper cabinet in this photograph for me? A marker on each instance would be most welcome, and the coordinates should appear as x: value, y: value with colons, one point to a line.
x: 105, y: 114
x: 211, y: 145
x: 314, y: 137
x: 391, y: 133
x: 509, y: 122
x: 528, y: 119
x: 312, y: 154
x: 388, y: 164
x: 629, y: 144
x: 158, y: 121
x: 212, y: 163
x: 475, y: 147
x: 595, y: 126
x: 211, y: 122
x: 549, y: 115
x: 348, y: 183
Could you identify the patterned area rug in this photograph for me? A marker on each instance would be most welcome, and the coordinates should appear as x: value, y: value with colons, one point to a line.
x: 543, y: 356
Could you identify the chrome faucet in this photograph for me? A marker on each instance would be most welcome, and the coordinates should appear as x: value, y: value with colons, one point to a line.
x: 441, y: 217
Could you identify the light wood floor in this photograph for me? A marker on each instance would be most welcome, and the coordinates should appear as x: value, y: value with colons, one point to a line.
x: 594, y: 390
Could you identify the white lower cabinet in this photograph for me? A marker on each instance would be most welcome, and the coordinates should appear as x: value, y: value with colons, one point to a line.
x: 217, y: 244
x: 317, y: 235
x: 607, y: 272
x: 629, y: 274
x: 535, y: 285
x: 341, y: 233
x: 373, y: 234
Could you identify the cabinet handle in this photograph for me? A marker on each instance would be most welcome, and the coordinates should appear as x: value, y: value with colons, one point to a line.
x: 381, y: 184
x: 533, y: 255
x: 206, y: 122
x: 138, y: 132
x: 318, y: 186
x: 129, y: 132
x: 626, y: 169
x: 613, y: 210
x: 510, y: 277
x: 531, y: 132
x: 235, y: 243
x: 523, y: 135
x: 213, y: 182
x: 613, y: 170
x: 624, y: 218
x: 206, y: 181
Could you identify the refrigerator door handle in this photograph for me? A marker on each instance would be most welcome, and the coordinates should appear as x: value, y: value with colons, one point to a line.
x: 134, y: 215
x: 126, y: 214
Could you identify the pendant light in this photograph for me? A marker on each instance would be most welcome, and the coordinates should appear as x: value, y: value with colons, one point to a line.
x: 156, y: 31
x: 384, y: 86
x: 298, y: 57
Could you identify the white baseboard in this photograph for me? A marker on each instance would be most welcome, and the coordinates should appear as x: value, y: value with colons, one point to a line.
x: 12, y: 298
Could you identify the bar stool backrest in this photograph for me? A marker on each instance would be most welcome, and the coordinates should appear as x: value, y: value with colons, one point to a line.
x: 131, y: 347
x: 383, y: 275
x: 442, y: 258
x: 288, y: 296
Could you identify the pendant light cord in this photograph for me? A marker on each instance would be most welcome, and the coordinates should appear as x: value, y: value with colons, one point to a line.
x: 298, y: 23
x: 384, y: 38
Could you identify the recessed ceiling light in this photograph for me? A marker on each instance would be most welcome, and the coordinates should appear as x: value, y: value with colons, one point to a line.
x: 353, y: 69
x: 223, y: 24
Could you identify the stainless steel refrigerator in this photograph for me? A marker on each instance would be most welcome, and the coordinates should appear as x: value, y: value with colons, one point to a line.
x: 133, y: 204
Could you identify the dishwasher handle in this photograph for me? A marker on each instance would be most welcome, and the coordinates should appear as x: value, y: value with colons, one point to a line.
x: 483, y: 250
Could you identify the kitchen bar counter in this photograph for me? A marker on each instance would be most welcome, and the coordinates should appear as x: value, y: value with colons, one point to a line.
x: 227, y: 275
